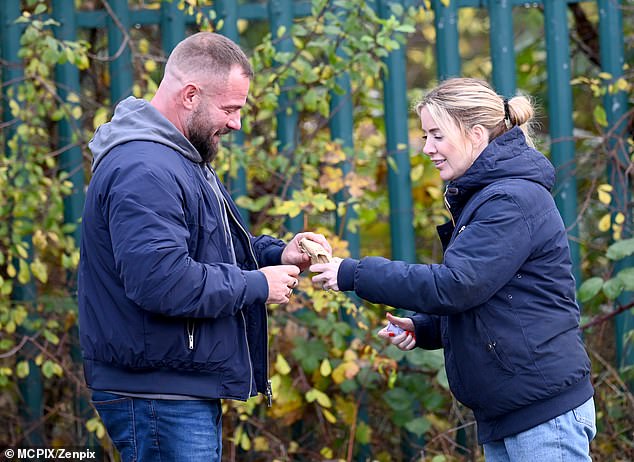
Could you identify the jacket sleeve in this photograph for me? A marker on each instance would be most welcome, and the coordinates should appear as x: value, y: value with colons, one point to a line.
x: 480, y: 261
x: 268, y: 250
x: 427, y: 330
x: 145, y: 213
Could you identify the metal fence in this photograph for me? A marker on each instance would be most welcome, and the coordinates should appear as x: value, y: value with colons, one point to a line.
x: 173, y: 23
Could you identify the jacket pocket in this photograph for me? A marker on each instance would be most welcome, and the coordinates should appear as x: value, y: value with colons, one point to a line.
x: 494, y: 349
x: 191, y: 344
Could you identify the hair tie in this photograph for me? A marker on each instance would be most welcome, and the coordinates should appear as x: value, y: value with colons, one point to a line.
x: 507, y: 113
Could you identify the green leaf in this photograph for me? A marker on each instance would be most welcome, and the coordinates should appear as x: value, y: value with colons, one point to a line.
x: 589, y: 289
x: 621, y: 249
x: 51, y: 337
x: 418, y: 426
x: 22, y: 369
x: 612, y: 288
x: 363, y: 434
x: 398, y: 399
x: 626, y: 276
x: 600, y: 117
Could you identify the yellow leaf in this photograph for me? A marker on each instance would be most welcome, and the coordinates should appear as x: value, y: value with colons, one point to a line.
x: 10, y: 327
x: 339, y: 374
x: 101, y: 117
x: 22, y: 253
x: 417, y: 172
x: 22, y: 369
x: 281, y: 365
x: 245, y: 442
x: 350, y: 355
x: 76, y: 112
x: 319, y: 396
x: 604, y: 198
x: 603, y: 192
x: 605, y: 75
x: 150, y: 65
x: 326, y: 452
x: 325, y: 369
x: 11, y: 272
x: 604, y: 223
x: 144, y: 46
x: 329, y: 416
x: 24, y: 275
x: 619, y: 218
x: 261, y: 444
x: 351, y: 370
x: 39, y: 270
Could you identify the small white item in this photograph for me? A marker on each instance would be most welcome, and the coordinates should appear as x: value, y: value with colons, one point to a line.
x: 394, y: 328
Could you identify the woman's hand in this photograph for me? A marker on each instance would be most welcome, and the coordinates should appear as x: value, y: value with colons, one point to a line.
x: 327, y: 279
x: 404, y: 341
x: 293, y: 254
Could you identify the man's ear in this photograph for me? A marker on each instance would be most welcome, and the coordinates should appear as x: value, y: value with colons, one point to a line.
x: 188, y: 95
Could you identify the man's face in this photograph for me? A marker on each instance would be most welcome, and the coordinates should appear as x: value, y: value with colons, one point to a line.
x: 217, y: 113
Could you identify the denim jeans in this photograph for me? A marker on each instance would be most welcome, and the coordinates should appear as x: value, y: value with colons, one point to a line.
x: 565, y: 438
x: 159, y: 430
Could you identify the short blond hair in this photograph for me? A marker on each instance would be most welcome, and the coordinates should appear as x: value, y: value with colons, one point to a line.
x: 461, y: 103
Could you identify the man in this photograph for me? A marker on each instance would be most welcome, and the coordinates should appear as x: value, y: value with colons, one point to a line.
x: 172, y: 287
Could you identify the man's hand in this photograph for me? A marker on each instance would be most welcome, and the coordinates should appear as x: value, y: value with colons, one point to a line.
x: 293, y: 255
x: 327, y: 279
x: 282, y: 279
x: 404, y: 341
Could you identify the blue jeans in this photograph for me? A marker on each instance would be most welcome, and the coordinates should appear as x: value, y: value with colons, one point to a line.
x: 159, y: 430
x: 565, y: 438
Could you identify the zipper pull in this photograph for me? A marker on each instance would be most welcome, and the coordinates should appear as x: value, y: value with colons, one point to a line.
x: 269, y: 394
x: 190, y: 335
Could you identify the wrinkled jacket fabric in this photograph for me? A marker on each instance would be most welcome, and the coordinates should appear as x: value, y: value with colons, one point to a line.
x: 162, y: 308
x: 502, y: 303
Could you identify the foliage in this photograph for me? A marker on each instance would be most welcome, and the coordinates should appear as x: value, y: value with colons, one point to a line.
x: 339, y: 393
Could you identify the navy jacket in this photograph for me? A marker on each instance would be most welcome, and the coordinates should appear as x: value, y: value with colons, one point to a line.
x: 162, y: 308
x: 502, y: 302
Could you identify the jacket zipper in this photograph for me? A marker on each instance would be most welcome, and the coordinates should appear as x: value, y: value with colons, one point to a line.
x: 447, y: 206
x: 269, y: 392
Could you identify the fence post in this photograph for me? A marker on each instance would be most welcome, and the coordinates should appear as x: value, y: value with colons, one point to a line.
x: 502, y: 46
x: 12, y: 73
x: 71, y: 162
x: 341, y: 128
x: 397, y: 141
x: 281, y: 16
x: 228, y: 11
x: 447, y: 38
x: 560, y: 121
x: 616, y: 108
x: 121, y: 74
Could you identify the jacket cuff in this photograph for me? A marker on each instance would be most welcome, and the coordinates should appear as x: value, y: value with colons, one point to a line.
x: 257, y: 288
x: 345, y: 275
x: 272, y: 254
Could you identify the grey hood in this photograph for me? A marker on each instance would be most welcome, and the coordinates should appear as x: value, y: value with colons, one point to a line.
x: 137, y: 120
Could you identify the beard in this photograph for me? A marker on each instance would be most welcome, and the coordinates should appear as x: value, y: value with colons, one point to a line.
x: 201, y: 136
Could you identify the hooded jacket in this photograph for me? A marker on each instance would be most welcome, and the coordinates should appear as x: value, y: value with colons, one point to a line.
x: 502, y: 303
x: 163, y: 308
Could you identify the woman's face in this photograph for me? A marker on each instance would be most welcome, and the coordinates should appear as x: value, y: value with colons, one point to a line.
x: 451, y: 160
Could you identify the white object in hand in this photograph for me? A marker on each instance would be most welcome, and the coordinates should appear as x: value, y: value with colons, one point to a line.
x: 394, y: 328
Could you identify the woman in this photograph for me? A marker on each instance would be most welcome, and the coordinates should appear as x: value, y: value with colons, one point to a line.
x: 502, y: 302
